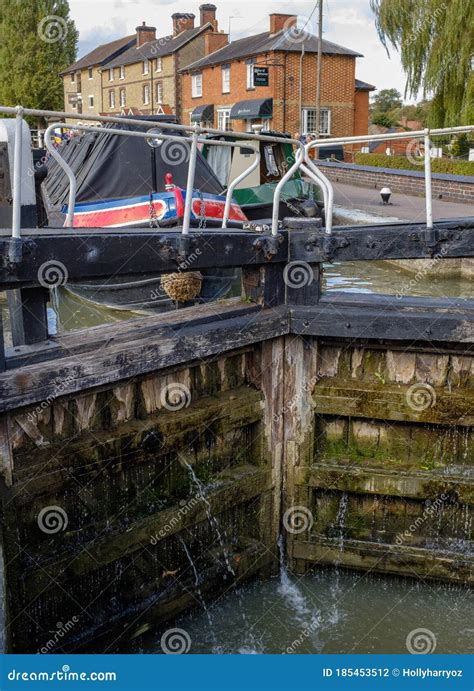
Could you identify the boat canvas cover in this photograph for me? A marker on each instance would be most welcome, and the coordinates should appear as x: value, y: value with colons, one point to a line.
x: 112, y: 166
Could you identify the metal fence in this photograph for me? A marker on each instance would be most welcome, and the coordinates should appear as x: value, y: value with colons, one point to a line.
x: 194, y: 134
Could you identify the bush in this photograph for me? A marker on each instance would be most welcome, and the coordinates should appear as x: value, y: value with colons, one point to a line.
x: 438, y: 165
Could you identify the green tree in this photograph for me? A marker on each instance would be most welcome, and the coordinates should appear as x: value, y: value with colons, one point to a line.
x: 435, y: 39
x: 38, y: 40
x: 383, y: 119
x: 386, y: 100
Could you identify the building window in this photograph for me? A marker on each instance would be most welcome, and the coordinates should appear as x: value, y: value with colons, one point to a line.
x: 250, y: 74
x: 90, y: 73
x: 159, y: 92
x: 122, y: 97
x: 159, y: 64
x: 111, y: 74
x: 146, y: 94
x: 196, y: 80
x: 73, y: 77
x: 223, y: 119
x: 91, y: 101
x: 146, y: 66
x: 122, y: 71
x: 309, y: 120
x: 226, y: 79
x: 112, y: 99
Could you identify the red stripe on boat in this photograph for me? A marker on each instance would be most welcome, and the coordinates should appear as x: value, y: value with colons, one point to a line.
x: 214, y: 209
x: 140, y: 213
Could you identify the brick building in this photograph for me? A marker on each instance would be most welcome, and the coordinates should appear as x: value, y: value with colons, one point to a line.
x: 83, y: 80
x: 270, y: 79
x: 141, y: 73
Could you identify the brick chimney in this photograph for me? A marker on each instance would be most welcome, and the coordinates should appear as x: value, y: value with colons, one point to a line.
x: 282, y: 21
x: 145, y: 33
x: 182, y: 21
x: 208, y: 14
x: 214, y: 40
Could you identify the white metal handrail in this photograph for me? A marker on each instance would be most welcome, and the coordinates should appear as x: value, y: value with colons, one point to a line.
x: 20, y: 112
x: 426, y: 134
x: 302, y: 162
x: 194, y: 140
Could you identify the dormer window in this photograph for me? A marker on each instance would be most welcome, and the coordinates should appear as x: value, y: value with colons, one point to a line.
x: 146, y: 66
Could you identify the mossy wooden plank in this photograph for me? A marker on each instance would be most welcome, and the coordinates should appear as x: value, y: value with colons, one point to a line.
x: 426, y: 404
x: 390, y: 483
x: 394, y: 559
x: 234, y: 487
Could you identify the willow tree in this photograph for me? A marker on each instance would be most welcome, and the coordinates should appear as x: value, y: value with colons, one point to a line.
x: 435, y: 39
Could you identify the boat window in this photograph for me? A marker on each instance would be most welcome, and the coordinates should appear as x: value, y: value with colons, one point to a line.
x: 220, y: 159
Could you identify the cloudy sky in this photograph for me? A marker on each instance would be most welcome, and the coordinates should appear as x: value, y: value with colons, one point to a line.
x: 347, y: 22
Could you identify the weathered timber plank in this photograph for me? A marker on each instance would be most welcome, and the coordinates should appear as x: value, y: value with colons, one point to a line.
x: 404, y: 403
x: 28, y: 317
x: 234, y: 486
x: 101, y: 254
x: 420, y: 485
x: 390, y: 321
x: 52, y: 463
x: 124, y: 361
x: 386, y: 558
x: 385, y: 241
x: 82, y: 340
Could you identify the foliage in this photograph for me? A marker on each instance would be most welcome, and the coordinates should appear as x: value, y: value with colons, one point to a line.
x: 383, y: 119
x: 37, y: 41
x: 460, y: 146
x: 438, y: 165
x: 418, y: 112
x: 386, y: 100
x: 436, y: 41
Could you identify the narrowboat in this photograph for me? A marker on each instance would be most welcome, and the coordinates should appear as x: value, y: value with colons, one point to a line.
x: 254, y: 194
x: 136, y: 182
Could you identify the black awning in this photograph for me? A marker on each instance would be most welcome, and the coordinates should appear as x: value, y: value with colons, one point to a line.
x: 256, y: 108
x: 203, y: 113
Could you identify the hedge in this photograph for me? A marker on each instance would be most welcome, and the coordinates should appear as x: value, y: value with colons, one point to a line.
x: 438, y: 165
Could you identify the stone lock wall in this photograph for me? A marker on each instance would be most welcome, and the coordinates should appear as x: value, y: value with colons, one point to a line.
x: 115, y: 491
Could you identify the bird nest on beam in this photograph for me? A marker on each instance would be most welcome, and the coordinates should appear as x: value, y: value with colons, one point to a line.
x: 182, y: 286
